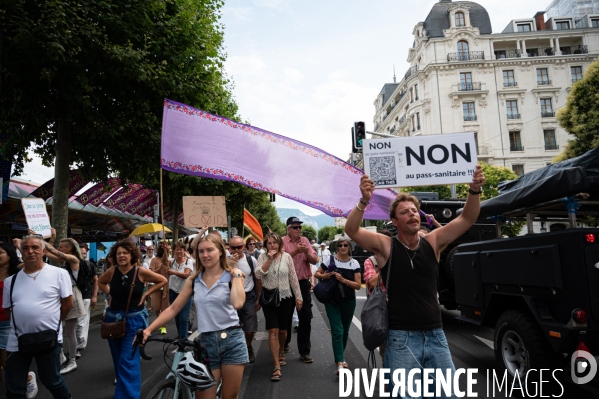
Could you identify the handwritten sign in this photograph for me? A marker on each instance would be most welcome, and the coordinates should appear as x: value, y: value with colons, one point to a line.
x: 202, y: 211
x: 36, y: 215
x: 420, y: 161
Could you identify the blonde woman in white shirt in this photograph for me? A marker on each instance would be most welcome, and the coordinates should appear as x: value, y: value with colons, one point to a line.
x: 277, y: 272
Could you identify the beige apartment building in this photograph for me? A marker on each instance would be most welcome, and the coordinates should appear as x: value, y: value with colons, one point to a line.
x: 505, y: 87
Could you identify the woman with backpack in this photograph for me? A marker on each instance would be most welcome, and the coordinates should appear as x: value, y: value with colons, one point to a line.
x: 340, y: 310
x: 217, y: 290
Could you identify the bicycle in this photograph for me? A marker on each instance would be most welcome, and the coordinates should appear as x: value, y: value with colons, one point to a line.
x: 171, y: 386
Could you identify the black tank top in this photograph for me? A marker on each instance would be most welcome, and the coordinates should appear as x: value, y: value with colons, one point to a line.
x: 413, y: 303
x: 119, y: 291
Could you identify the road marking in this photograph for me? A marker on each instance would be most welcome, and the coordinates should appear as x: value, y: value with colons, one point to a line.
x: 485, y: 341
x: 358, y: 323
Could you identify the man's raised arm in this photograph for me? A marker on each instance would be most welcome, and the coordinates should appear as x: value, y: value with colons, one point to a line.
x: 366, y: 239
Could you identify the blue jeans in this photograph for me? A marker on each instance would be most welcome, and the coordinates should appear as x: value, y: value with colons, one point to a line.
x: 182, y: 319
x: 230, y: 350
x: 127, y: 370
x: 417, y: 350
x: 48, y: 368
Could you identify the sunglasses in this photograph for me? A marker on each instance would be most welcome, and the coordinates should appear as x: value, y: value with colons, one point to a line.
x: 125, y: 280
x: 249, y: 243
x: 343, y: 245
x: 295, y: 227
x: 235, y: 247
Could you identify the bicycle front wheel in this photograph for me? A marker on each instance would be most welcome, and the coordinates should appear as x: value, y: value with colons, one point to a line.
x: 164, y: 390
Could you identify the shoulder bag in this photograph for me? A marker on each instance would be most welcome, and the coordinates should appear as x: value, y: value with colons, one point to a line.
x: 324, y: 291
x: 375, y: 317
x: 118, y: 329
x: 271, y: 298
x: 33, y: 343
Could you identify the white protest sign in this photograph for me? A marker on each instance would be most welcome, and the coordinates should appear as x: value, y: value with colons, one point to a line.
x: 204, y: 211
x: 37, y: 216
x: 420, y: 161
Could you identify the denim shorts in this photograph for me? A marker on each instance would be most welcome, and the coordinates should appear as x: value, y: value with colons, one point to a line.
x: 4, y: 331
x: 230, y: 350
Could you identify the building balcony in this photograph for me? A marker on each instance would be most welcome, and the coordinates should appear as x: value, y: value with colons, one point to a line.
x: 472, y: 86
x: 469, y: 118
x: 502, y: 54
x: 513, y: 116
x: 540, y: 52
x: 569, y: 50
x: 544, y: 82
x: 547, y: 114
x: 510, y: 84
x: 466, y: 56
x: 551, y: 146
x: 516, y: 147
x: 410, y: 72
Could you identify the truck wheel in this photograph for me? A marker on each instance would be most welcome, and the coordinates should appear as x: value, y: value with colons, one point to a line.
x: 449, y: 266
x: 520, y: 344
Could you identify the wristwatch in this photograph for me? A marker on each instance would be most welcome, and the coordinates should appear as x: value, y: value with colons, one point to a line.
x: 238, y: 275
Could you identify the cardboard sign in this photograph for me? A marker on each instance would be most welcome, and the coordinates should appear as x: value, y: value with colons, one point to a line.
x: 420, y: 161
x: 202, y: 211
x: 37, y: 216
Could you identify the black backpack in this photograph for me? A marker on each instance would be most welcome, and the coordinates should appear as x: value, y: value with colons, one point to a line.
x: 84, y: 280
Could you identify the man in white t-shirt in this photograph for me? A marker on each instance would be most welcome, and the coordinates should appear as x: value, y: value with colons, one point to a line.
x: 42, y: 297
x: 324, y: 251
x: 147, y: 258
x: 253, y: 286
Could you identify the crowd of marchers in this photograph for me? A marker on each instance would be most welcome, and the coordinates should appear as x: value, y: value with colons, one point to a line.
x: 228, y: 283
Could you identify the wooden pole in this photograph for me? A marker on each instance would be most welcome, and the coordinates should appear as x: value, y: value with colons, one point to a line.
x: 162, y: 207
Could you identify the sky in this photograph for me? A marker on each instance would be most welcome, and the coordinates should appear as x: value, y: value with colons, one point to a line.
x: 309, y: 69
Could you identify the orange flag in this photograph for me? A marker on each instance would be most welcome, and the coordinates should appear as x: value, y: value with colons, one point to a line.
x: 250, y: 223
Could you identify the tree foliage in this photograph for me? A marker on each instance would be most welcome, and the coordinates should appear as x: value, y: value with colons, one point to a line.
x: 309, y: 232
x: 326, y: 233
x: 494, y: 175
x: 580, y: 115
x: 85, y: 80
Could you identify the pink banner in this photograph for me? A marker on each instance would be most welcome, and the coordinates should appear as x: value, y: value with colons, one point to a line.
x: 98, y: 193
x: 142, y: 204
x: 134, y: 199
x: 76, y: 183
x: 122, y: 195
x: 197, y: 143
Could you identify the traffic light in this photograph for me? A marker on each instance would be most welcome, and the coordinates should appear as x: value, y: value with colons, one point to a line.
x: 358, y: 134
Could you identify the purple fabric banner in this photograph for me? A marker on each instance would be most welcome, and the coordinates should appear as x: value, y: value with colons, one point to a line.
x: 76, y: 183
x: 197, y: 143
x: 97, y: 194
x: 134, y: 199
x: 148, y: 200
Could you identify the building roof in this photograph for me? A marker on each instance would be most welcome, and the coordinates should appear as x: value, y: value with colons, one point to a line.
x: 438, y: 19
x: 387, y: 92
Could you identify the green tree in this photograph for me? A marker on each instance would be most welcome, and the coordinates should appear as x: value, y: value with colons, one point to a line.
x: 309, y: 232
x: 326, y: 233
x: 494, y: 175
x: 82, y: 82
x: 580, y: 115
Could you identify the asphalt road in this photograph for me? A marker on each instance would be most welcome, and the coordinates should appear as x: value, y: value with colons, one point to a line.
x: 471, y: 347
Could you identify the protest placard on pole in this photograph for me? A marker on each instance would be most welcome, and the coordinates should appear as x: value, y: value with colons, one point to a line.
x: 36, y: 215
x: 420, y: 161
x: 202, y: 211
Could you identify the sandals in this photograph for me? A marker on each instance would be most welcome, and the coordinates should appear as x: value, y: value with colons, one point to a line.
x: 276, y: 374
x: 282, y: 360
x: 338, y: 368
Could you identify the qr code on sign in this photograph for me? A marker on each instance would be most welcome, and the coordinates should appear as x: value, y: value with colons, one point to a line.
x: 382, y: 170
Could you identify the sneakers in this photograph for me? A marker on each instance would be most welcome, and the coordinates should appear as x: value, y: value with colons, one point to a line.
x: 71, y: 365
x: 78, y: 355
x: 31, y: 386
x: 251, y: 354
x: 162, y: 330
x: 306, y: 358
x: 286, y: 349
x: 63, y: 358
x: 296, y: 327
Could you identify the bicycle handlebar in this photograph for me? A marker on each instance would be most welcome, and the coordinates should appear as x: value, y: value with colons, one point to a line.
x: 139, y: 335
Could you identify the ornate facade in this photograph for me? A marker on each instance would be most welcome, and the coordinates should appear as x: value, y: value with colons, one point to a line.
x: 505, y: 87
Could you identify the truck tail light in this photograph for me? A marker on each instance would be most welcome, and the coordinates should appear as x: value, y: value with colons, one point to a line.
x: 579, y: 316
x: 590, y: 237
x: 583, y: 347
